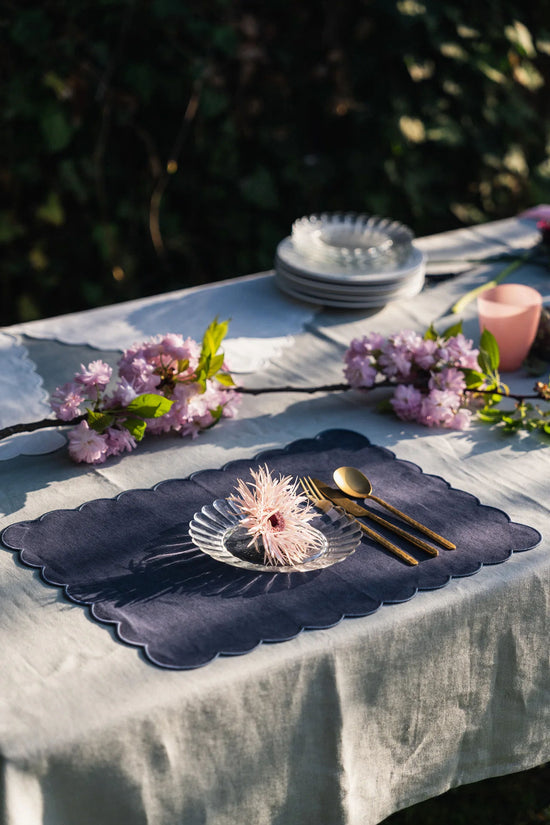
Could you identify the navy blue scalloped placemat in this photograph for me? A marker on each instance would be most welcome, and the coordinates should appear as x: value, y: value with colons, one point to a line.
x: 131, y: 561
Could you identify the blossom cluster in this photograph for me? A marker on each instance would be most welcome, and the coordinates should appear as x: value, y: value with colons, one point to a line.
x: 164, y: 384
x: 428, y: 374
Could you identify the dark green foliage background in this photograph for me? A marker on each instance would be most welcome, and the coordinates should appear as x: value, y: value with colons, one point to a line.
x: 435, y: 113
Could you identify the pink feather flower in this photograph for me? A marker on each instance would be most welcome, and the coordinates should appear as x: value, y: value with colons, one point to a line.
x: 277, y: 518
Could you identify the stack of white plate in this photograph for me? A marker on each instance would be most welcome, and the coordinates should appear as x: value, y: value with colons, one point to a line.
x: 349, y: 261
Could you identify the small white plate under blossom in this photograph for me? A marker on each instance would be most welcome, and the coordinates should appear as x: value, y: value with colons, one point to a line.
x: 218, y: 532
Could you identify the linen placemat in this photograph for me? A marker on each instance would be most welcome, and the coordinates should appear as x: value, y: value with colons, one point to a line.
x: 130, y: 559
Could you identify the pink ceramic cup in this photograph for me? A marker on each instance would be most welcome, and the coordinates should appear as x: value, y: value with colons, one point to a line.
x: 511, y: 312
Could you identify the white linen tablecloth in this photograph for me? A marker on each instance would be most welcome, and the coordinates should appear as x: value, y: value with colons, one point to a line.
x: 335, y: 727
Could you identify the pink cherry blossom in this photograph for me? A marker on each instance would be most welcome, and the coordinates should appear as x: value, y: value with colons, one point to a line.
x: 96, y: 374
x: 87, y: 445
x: 164, y: 365
x: 395, y: 362
x: 139, y: 373
x: 360, y: 372
x: 439, y: 408
x: 448, y: 379
x: 65, y: 401
x: 425, y: 353
x: 461, y: 420
x: 460, y: 352
x: 230, y: 401
x: 123, y: 394
x: 118, y: 440
x: 427, y: 374
x: 367, y: 345
x: 406, y: 402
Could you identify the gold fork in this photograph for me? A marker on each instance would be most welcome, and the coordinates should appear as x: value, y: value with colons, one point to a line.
x: 312, y: 492
x: 355, y: 509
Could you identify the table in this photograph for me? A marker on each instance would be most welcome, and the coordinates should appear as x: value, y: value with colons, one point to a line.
x: 336, y: 727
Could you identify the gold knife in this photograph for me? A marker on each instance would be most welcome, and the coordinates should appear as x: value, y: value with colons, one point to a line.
x: 355, y: 509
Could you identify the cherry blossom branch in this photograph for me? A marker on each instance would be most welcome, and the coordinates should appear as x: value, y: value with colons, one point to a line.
x: 14, y: 429
x: 308, y: 390
x: 46, y: 423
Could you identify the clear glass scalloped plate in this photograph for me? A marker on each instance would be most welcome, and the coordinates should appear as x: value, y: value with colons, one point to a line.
x: 351, y: 239
x: 217, y: 531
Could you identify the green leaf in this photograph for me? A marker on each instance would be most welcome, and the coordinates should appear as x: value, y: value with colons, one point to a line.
x: 490, y: 415
x: 201, y: 380
x: 473, y: 378
x: 135, y: 427
x: 489, y: 356
x: 183, y: 364
x: 216, y: 414
x: 150, y: 405
x: 216, y: 364
x: 454, y: 329
x: 209, y: 362
x: 99, y: 421
x: 225, y: 379
x: 431, y: 334
x: 214, y: 335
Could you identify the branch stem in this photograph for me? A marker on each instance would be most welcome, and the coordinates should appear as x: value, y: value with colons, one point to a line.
x: 39, y: 425
x: 46, y: 423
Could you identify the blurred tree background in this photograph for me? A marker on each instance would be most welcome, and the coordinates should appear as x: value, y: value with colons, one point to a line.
x: 149, y: 145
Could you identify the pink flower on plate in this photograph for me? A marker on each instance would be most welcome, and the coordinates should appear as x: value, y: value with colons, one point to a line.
x: 65, y: 401
x: 96, y: 374
x: 87, y: 445
x: 276, y: 517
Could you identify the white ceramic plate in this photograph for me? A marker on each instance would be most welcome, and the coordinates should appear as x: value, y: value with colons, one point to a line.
x: 317, y: 270
x: 332, y: 288
x: 363, y: 300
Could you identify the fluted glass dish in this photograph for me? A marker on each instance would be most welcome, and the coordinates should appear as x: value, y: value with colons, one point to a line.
x: 351, y: 239
x: 218, y: 532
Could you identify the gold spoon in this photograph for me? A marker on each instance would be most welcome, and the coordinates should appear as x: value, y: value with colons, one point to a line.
x: 354, y: 483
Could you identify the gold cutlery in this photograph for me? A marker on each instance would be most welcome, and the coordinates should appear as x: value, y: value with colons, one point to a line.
x: 355, y: 484
x: 322, y: 503
x: 361, y: 512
